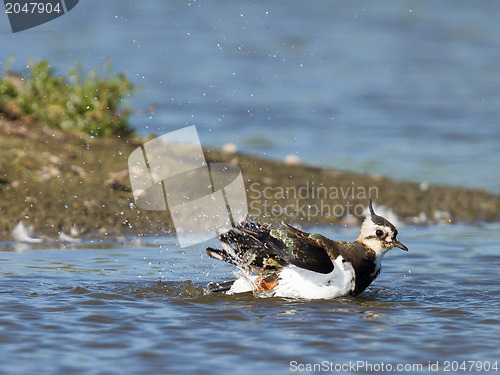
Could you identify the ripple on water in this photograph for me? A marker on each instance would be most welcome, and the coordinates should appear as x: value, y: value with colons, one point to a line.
x: 414, y: 309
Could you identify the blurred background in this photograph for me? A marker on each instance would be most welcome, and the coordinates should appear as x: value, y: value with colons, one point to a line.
x: 409, y: 90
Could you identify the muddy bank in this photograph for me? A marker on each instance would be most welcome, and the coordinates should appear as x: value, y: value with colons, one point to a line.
x: 56, y: 180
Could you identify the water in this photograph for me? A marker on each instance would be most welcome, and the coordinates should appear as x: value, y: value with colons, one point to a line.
x: 140, y: 308
x: 408, y: 90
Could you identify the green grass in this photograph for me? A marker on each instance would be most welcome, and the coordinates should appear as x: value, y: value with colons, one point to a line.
x: 71, y: 101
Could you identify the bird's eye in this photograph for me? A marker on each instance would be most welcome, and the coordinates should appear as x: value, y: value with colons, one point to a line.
x: 379, y: 233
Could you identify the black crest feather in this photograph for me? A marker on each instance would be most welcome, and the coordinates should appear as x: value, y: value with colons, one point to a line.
x: 379, y: 220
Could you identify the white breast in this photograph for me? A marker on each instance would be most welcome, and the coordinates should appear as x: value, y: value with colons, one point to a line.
x: 297, y: 282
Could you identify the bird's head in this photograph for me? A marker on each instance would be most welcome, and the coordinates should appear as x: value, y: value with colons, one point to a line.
x: 379, y: 234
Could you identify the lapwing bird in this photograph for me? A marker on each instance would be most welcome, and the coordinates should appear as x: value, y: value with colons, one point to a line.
x: 286, y: 262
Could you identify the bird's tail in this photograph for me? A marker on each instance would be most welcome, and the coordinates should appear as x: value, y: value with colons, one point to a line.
x: 252, y: 249
x: 249, y: 246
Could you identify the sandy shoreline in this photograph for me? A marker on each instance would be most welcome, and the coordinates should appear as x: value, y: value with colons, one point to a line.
x: 55, y: 181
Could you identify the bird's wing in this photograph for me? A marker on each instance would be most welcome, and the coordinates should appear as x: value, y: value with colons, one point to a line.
x: 258, y: 247
x: 311, y: 251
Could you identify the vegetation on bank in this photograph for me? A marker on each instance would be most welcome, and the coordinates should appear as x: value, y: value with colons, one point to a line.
x: 70, y: 101
x: 58, y: 176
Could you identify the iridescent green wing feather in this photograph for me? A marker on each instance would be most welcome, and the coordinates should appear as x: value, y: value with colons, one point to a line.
x: 305, y: 250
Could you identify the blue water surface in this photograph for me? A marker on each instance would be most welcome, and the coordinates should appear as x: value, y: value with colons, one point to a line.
x: 140, y: 307
x: 407, y: 89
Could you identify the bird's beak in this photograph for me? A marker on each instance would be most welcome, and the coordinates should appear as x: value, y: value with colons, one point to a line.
x: 396, y: 243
